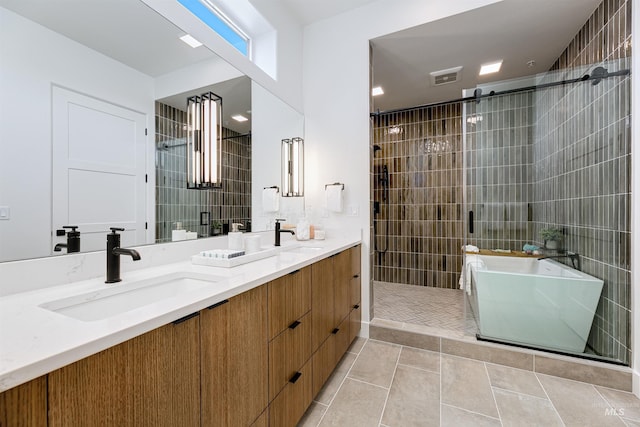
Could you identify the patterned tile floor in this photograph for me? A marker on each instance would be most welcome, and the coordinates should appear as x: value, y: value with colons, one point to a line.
x: 422, y: 305
x: 378, y: 384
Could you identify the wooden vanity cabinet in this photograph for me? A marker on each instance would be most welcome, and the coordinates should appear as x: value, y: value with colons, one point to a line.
x: 25, y: 405
x: 256, y: 359
x: 333, y: 290
x: 150, y: 380
x: 234, y: 369
x: 290, y: 370
x: 355, y: 285
x: 289, y: 299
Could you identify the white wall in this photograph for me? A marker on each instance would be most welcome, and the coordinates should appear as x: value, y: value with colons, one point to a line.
x: 635, y: 206
x: 288, y: 52
x: 273, y: 121
x: 336, y: 103
x: 194, y: 76
x: 34, y: 58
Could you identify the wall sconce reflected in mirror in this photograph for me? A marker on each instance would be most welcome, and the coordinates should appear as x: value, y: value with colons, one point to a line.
x: 204, y: 141
x: 293, y: 167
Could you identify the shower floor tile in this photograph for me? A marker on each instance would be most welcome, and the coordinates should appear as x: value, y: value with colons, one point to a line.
x: 438, y: 308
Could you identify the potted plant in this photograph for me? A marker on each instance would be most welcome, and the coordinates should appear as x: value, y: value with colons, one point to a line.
x: 551, y: 237
x: 216, y: 228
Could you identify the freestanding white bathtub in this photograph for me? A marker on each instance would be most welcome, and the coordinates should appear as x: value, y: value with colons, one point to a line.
x: 534, y: 303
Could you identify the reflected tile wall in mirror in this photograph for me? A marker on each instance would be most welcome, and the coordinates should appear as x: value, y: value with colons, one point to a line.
x: 174, y: 203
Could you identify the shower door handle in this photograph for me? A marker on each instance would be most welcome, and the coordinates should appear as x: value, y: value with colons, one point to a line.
x: 470, y: 222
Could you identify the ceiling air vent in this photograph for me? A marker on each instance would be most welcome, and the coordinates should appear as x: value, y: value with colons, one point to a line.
x: 444, y: 77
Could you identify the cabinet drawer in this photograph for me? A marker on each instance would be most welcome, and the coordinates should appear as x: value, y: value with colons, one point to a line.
x: 342, y: 340
x: 354, y: 291
x: 292, y: 402
x: 25, y: 405
x: 323, y: 363
x: 288, y: 352
x: 355, y: 318
x: 289, y: 299
x: 355, y: 260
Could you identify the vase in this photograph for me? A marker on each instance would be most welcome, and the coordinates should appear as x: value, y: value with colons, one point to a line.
x: 551, y: 244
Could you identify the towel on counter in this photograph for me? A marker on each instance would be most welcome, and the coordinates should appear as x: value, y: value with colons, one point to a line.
x: 270, y: 200
x: 470, y: 248
x: 465, y: 276
x: 334, y: 199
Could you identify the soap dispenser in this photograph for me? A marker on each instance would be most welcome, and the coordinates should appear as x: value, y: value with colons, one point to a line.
x: 235, y: 237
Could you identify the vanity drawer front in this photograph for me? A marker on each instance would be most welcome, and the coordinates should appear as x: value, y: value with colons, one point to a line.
x: 292, y: 402
x: 355, y: 318
x: 287, y: 353
x: 289, y: 299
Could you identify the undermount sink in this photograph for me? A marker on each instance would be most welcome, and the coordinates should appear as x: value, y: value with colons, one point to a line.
x: 127, y: 296
x: 300, y: 249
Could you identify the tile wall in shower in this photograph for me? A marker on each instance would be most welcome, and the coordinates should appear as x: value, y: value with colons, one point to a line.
x: 418, y: 227
x: 498, y: 170
x: 582, y: 153
x: 174, y: 203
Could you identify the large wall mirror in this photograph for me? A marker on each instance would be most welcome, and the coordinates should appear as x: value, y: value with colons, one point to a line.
x: 92, y: 127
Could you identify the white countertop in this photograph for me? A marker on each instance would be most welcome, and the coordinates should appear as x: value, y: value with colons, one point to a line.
x: 35, y: 341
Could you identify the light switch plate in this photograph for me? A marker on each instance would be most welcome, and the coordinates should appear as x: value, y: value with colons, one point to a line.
x: 5, y: 213
x: 353, y: 210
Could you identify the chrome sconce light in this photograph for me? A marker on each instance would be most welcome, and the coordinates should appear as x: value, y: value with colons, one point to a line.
x: 204, y: 141
x: 293, y: 167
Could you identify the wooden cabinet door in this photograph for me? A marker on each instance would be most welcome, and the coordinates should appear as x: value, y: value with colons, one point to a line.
x: 341, y: 281
x: 322, y: 295
x: 25, y: 405
x: 287, y: 353
x: 342, y: 340
x: 355, y: 254
x: 214, y: 363
x: 355, y: 293
x: 291, y: 404
x: 289, y: 299
x: 234, y: 360
x: 248, y: 356
x: 355, y: 318
x: 323, y: 363
x: 150, y: 380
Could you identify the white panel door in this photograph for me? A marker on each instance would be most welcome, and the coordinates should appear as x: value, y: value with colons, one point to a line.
x: 99, y: 168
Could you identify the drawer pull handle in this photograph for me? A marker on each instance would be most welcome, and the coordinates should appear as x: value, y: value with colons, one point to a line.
x: 356, y: 306
x: 294, y: 325
x: 295, y: 377
x: 355, y: 276
x: 218, y: 304
x: 185, y: 318
x: 335, y: 331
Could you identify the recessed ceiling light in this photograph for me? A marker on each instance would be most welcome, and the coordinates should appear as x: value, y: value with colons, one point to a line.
x: 493, y: 67
x: 377, y: 91
x: 239, y: 118
x: 188, y: 39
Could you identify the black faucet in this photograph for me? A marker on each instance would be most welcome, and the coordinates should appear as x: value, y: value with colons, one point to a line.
x: 73, y: 240
x: 574, y: 257
x: 278, y: 231
x: 113, y: 255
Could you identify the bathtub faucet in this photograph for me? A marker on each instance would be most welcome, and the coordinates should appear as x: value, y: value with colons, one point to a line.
x: 574, y: 257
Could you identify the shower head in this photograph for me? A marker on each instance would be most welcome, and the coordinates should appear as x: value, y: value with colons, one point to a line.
x: 376, y: 148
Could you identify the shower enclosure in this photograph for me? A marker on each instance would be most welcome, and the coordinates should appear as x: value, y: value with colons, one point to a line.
x: 495, y: 168
x: 556, y: 155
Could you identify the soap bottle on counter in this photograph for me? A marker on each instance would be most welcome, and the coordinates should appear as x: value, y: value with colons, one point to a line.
x: 235, y: 237
x: 303, y: 229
